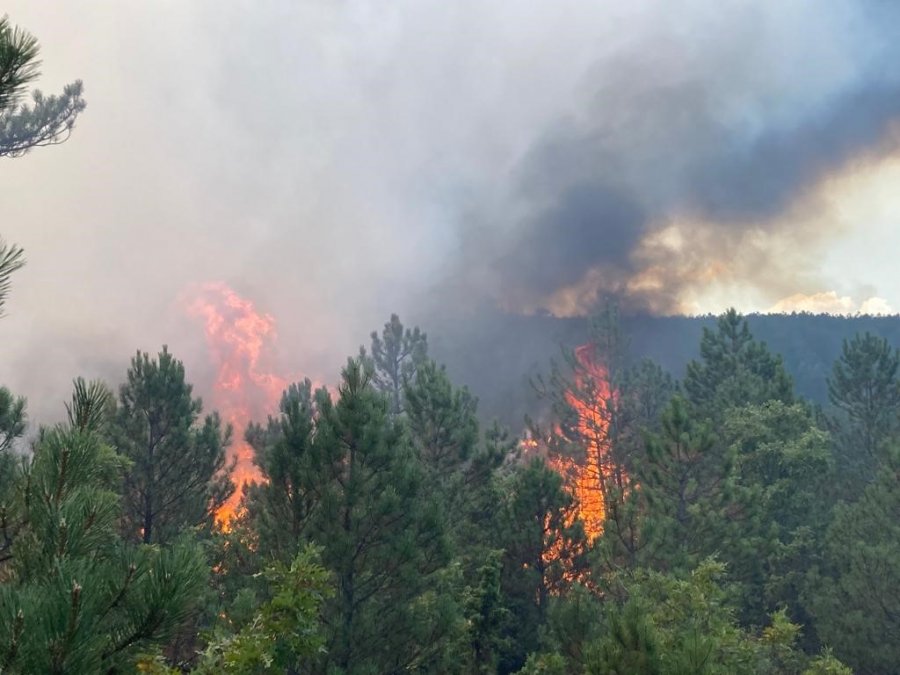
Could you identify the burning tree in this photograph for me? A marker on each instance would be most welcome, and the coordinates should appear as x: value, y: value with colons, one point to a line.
x: 587, y: 442
x: 602, y: 409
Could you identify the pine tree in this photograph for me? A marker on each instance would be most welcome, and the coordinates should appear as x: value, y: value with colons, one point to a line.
x: 684, y: 623
x: 783, y: 494
x: 864, y: 388
x: 646, y: 390
x: 395, y: 356
x: 280, y: 508
x: 685, y: 481
x: 461, y: 468
x: 458, y: 465
x: 734, y: 370
x: 642, y: 397
x: 379, y: 529
x: 855, y: 594
x: 178, y: 476
x: 348, y: 476
x: 544, y: 547
x: 442, y: 421
x: 597, y: 436
x: 12, y: 419
x: 486, y: 616
x: 12, y: 427
x: 75, y: 598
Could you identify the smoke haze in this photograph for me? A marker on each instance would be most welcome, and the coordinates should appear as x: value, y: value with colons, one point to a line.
x: 337, y: 161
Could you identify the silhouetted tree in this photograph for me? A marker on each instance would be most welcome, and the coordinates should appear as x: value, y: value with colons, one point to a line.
x: 395, y: 355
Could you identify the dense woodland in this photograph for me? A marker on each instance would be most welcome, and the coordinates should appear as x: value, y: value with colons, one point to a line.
x: 740, y: 528
x: 743, y: 529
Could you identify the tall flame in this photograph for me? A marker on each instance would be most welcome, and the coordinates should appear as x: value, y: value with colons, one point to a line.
x: 238, y: 337
x: 588, y: 480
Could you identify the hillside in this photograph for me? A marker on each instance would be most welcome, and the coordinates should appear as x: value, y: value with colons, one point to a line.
x: 496, y: 354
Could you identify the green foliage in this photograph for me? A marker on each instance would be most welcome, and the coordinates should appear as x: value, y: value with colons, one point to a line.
x: 344, y: 475
x: 50, y: 119
x: 12, y: 427
x: 630, y: 644
x: 286, y: 631
x: 178, y: 475
x: 459, y: 464
x: 669, y: 623
x: 442, y: 421
x: 280, y: 508
x: 854, y: 594
x: 574, y: 622
x: 486, y: 616
x: 686, y: 482
x: 734, y: 370
x: 380, y: 531
x: 782, y: 506
x: 545, y: 664
x: 12, y: 419
x: 864, y: 389
x: 12, y: 259
x: 826, y: 664
x: 18, y: 62
x: 90, y: 405
x: 646, y: 390
x: 74, y: 597
x: 544, y: 553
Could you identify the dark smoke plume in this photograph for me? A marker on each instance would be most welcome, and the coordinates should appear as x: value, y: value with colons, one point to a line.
x: 665, y: 143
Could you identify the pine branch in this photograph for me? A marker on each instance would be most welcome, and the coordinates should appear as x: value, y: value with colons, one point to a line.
x: 48, y: 121
x: 12, y: 259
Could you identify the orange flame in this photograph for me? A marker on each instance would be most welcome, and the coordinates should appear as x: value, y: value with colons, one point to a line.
x: 238, y: 336
x: 588, y: 480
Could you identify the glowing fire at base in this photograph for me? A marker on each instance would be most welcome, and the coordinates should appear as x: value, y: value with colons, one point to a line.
x: 238, y: 335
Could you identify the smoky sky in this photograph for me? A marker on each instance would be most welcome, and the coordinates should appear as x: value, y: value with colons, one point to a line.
x: 335, y: 162
x: 653, y: 141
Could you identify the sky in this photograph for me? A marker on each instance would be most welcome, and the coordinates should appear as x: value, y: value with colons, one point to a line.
x: 335, y: 161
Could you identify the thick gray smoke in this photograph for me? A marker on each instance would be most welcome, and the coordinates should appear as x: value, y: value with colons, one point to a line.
x: 337, y: 161
x: 723, y: 134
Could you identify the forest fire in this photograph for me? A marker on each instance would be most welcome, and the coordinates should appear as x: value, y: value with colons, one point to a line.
x: 588, y: 478
x: 238, y: 336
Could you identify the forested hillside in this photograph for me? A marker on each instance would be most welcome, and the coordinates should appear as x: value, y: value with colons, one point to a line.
x: 711, y: 524
x: 498, y: 354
